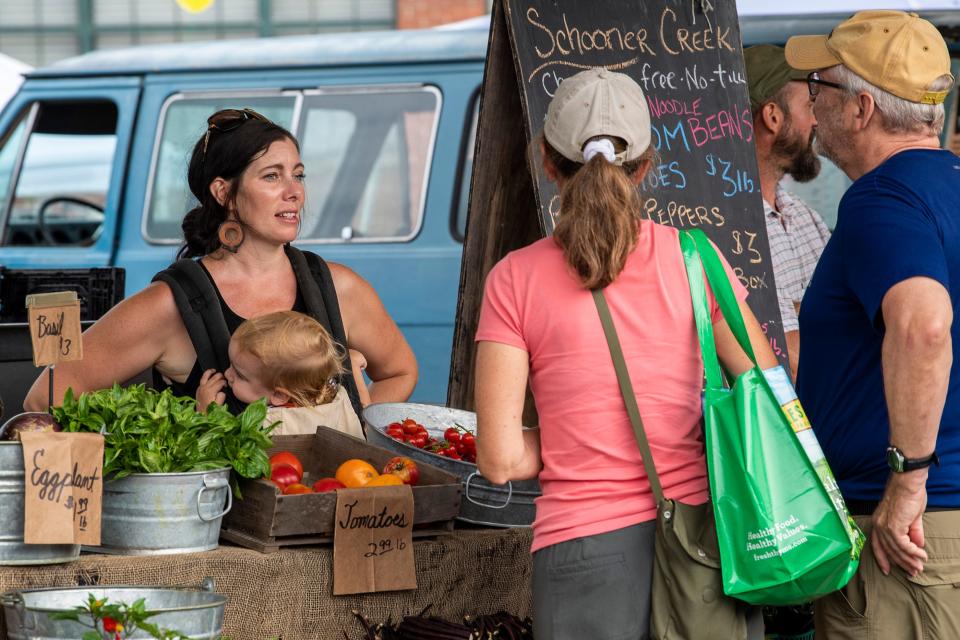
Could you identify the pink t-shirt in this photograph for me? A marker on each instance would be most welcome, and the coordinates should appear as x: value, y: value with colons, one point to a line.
x: 593, y: 479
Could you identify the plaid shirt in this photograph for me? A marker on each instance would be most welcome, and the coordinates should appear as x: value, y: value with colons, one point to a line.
x: 797, y: 235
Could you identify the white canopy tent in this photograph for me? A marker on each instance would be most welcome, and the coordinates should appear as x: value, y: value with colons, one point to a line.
x: 766, y: 8
x: 840, y: 7
x: 11, y: 75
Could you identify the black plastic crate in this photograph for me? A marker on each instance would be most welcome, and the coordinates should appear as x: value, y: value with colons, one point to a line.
x: 98, y: 289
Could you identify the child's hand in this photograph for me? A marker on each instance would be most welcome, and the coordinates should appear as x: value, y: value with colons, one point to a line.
x: 210, y: 390
x: 359, y: 363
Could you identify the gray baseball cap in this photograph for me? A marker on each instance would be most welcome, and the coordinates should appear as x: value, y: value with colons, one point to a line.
x: 598, y: 102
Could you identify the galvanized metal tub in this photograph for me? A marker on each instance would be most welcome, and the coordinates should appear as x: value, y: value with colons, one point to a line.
x: 159, y: 513
x: 12, y: 548
x: 194, y: 613
x: 510, y: 505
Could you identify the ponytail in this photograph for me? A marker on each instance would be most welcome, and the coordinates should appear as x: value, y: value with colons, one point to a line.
x: 599, y: 215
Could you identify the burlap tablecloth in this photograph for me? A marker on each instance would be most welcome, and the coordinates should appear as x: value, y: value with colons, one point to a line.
x: 288, y: 594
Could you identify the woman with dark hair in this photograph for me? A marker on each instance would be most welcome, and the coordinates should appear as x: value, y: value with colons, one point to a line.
x: 594, y: 528
x: 247, y: 176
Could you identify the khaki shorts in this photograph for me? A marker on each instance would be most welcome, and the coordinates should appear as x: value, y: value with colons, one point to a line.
x: 897, y: 607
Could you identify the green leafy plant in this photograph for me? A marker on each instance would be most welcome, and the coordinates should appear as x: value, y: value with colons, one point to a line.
x: 115, y: 620
x: 149, y: 431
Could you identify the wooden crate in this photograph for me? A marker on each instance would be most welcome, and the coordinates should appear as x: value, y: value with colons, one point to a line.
x: 265, y: 519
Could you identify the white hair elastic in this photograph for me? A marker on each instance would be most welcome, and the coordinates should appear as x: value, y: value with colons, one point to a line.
x: 603, y: 146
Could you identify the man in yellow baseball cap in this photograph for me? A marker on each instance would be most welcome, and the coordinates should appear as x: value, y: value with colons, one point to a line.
x: 879, y: 339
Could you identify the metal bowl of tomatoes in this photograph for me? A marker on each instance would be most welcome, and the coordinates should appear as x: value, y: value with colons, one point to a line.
x: 446, y: 438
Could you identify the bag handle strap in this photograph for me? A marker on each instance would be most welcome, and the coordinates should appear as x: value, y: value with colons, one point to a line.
x: 626, y: 389
x: 701, y: 311
x: 723, y: 291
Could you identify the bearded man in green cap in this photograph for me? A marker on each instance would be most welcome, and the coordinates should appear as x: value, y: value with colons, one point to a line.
x: 784, y: 129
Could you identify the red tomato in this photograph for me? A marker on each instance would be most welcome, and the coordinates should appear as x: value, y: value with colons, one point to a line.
x: 452, y: 453
x: 419, y: 441
x: 404, y: 468
x: 284, y: 475
x: 411, y: 429
x: 452, y: 435
x: 285, y: 457
x: 296, y: 488
x: 324, y: 485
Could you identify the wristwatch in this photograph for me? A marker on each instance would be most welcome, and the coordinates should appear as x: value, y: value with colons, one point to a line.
x: 900, y: 463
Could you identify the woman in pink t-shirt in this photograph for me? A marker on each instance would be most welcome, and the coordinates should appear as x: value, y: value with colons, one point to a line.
x: 593, y: 534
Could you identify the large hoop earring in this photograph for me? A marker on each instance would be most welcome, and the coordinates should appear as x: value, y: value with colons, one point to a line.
x: 230, y: 233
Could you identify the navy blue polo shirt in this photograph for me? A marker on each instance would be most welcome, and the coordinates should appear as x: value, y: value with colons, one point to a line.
x: 899, y: 221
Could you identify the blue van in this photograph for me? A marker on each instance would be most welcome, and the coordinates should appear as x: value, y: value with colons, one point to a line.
x: 94, y: 149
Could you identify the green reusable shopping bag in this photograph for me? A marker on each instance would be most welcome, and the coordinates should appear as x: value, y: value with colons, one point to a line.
x: 784, y: 532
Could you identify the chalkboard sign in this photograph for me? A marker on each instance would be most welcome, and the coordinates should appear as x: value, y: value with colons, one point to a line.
x: 687, y: 57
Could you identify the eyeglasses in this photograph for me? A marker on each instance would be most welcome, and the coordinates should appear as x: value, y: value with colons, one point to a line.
x: 228, y: 120
x: 814, y: 82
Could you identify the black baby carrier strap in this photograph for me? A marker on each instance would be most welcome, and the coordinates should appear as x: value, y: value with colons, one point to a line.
x: 200, y: 310
x: 320, y: 297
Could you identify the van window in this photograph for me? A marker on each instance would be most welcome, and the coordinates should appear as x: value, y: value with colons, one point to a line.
x: 8, y: 156
x: 183, y: 121
x: 62, y: 184
x: 366, y: 153
x: 466, y: 173
x: 367, y: 156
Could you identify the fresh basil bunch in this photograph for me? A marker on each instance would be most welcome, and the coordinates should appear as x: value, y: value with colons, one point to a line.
x: 149, y: 431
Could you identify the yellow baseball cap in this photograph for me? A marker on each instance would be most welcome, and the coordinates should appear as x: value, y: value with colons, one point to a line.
x: 899, y: 52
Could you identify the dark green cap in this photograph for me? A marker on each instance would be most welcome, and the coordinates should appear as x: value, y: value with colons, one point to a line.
x: 767, y: 72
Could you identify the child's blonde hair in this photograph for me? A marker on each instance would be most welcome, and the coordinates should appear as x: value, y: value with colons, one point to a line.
x: 296, y: 354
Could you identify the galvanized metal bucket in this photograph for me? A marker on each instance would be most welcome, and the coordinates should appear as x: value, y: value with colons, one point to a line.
x: 12, y: 548
x: 510, y: 505
x: 159, y: 513
x: 194, y: 613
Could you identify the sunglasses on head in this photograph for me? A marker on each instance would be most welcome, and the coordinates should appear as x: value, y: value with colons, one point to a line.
x: 228, y: 120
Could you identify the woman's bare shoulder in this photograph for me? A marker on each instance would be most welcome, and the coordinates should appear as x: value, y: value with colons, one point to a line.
x: 352, y: 288
x: 155, y: 300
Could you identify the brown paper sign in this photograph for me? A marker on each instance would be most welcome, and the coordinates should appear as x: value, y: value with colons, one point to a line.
x: 54, y: 327
x: 63, y: 475
x: 372, y: 540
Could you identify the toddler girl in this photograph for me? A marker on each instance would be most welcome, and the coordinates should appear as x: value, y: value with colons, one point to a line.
x: 290, y: 359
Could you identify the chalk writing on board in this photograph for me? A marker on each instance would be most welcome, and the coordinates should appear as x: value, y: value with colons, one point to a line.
x: 686, y: 55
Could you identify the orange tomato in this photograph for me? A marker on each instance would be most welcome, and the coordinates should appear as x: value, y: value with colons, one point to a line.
x: 385, y: 480
x: 295, y: 488
x: 285, y: 457
x: 355, y: 473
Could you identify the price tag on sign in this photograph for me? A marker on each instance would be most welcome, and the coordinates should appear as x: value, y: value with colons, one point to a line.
x: 54, y: 327
x: 63, y: 476
x: 372, y: 540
